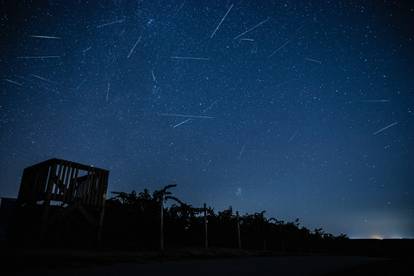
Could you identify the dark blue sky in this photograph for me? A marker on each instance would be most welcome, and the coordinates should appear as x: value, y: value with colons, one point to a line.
x: 309, y: 114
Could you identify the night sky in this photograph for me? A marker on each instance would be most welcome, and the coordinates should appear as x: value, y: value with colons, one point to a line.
x: 304, y: 109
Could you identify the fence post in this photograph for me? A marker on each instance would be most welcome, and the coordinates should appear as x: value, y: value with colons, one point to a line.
x: 264, y: 232
x: 238, y: 230
x: 205, y: 227
x: 162, y: 223
x: 104, y: 186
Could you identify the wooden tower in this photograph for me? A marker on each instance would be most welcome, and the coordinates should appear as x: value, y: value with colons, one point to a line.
x: 65, y: 187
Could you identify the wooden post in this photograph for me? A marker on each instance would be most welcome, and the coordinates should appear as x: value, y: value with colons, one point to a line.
x: 238, y: 230
x: 103, y: 185
x: 205, y: 227
x: 264, y: 228
x: 162, y: 223
x: 46, y: 202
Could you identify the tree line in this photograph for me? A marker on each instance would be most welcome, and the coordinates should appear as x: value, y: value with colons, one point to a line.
x: 158, y: 221
x: 143, y: 221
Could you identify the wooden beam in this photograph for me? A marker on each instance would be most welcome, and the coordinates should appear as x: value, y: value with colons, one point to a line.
x: 46, y: 202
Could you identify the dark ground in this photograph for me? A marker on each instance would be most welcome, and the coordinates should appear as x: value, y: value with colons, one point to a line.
x: 197, y: 262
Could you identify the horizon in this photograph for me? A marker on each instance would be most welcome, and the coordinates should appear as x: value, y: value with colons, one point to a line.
x: 374, y: 236
x: 303, y: 109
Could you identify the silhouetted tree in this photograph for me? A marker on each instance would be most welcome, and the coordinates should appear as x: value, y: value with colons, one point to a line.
x: 133, y: 219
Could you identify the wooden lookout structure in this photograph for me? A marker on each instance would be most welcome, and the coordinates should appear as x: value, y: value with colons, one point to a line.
x: 59, y: 189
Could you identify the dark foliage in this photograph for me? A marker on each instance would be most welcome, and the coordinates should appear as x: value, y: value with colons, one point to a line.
x: 132, y: 220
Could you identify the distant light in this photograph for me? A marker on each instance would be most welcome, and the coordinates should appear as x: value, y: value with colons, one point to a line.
x: 239, y: 192
x: 376, y: 237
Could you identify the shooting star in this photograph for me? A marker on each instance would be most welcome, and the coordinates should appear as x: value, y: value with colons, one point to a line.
x: 376, y: 101
x: 153, y: 76
x: 37, y: 57
x: 43, y: 79
x: 252, y: 28
x: 181, y: 6
x: 221, y: 21
x: 13, y: 82
x: 280, y: 48
x: 87, y: 49
x: 108, y: 87
x: 185, y: 116
x: 190, y: 58
x: 183, y: 122
x: 45, y: 37
x: 111, y: 23
x: 210, y: 106
x: 241, y: 151
x: 133, y: 47
x: 384, y: 128
x: 23, y: 78
x: 80, y: 84
x: 247, y: 39
x: 313, y: 60
x: 293, y: 136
